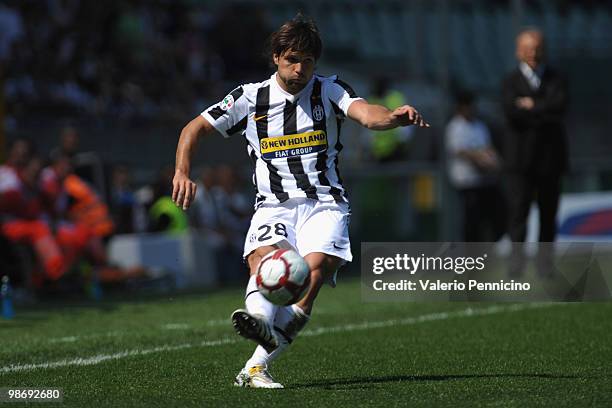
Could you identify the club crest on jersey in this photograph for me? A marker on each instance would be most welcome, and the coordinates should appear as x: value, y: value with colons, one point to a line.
x: 227, y: 102
x: 293, y: 145
x: 318, y: 112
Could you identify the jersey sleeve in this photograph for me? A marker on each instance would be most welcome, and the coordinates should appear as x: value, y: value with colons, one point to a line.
x: 229, y: 116
x: 341, y: 94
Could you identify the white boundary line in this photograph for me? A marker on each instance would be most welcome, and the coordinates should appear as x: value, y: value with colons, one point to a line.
x: 168, y: 326
x: 469, y: 312
x: 75, y: 338
x: 86, y: 361
x: 97, y: 359
x: 176, y: 326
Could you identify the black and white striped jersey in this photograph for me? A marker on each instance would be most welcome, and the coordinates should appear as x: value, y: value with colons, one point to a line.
x: 293, y: 140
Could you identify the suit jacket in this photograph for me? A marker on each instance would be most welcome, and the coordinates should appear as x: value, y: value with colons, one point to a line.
x: 536, y: 141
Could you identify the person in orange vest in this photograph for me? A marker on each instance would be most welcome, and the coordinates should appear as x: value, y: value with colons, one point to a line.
x: 87, y: 208
x: 75, y: 239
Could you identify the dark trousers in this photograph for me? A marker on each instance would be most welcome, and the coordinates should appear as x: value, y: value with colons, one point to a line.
x: 484, y: 214
x: 522, y: 190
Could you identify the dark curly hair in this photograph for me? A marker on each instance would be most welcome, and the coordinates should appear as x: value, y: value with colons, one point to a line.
x: 299, y: 34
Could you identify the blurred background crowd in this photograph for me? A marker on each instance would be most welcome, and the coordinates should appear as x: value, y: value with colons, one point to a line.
x: 93, y: 96
x: 127, y: 59
x: 59, y: 211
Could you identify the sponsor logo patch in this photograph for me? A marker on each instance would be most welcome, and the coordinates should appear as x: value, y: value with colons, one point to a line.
x: 293, y: 145
x: 227, y: 102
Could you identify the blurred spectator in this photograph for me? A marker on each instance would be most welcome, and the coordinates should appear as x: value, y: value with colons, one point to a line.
x: 123, y: 200
x: 75, y: 238
x: 388, y: 145
x: 18, y: 155
x: 52, y: 180
x: 88, y: 166
x: 535, y: 101
x: 206, y: 216
x: 205, y: 212
x: 13, y: 258
x: 234, y: 207
x: 87, y: 208
x: 69, y: 142
x: 164, y: 215
x: 22, y: 218
x: 234, y: 210
x: 473, y: 165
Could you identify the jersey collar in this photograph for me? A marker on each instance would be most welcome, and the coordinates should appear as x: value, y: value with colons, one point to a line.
x: 290, y: 97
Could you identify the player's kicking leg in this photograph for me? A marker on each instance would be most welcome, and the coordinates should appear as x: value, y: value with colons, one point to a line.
x: 256, y: 323
x: 287, y: 323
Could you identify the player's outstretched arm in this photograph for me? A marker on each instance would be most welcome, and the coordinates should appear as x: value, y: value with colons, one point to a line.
x: 183, y: 188
x: 377, y: 117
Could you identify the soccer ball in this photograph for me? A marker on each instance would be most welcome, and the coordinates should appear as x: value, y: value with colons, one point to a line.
x: 283, y: 277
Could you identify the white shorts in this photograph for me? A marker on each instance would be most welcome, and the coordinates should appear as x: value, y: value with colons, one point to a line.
x: 308, y: 225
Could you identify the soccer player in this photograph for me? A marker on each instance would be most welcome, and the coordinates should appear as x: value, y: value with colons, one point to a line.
x: 292, y: 124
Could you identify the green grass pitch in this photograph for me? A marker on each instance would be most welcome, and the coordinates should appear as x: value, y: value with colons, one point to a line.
x: 182, y: 352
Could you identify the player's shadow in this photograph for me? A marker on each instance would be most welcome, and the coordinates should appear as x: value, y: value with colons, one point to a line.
x: 363, y: 382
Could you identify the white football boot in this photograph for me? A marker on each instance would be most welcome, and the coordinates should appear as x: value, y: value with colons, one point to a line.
x: 256, y: 377
x: 255, y: 327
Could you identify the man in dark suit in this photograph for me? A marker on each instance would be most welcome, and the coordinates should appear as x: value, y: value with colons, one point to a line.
x: 536, y: 153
